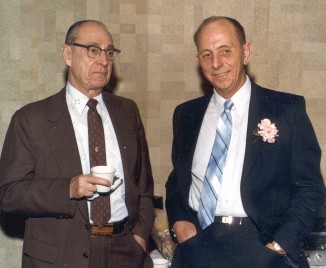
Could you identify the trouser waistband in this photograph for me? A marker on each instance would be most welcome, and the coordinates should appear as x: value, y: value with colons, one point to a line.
x: 110, y: 229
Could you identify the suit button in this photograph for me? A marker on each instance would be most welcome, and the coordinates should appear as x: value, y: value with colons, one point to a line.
x: 85, y: 255
x: 87, y: 226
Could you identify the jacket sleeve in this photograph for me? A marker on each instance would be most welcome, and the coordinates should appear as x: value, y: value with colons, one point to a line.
x: 144, y: 179
x: 176, y: 190
x: 308, y: 187
x: 21, y: 191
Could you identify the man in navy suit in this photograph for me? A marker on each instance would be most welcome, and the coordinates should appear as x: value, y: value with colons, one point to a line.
x: 271, y: 188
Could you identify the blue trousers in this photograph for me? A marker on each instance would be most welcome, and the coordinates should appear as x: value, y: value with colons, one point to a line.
x: 230, y: 246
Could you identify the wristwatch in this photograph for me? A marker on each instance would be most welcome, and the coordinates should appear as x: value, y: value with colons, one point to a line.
x: 278, y: 248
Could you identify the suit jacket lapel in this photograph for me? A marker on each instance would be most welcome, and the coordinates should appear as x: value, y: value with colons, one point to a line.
x: 258, y: 110
x: 126, y: 140
x: 197, y: 118
x: 61, y: 136
x: 192, y: 119
x: 62, y: 141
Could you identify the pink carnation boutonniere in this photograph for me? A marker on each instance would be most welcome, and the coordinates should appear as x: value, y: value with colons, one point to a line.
x: 267, y: 130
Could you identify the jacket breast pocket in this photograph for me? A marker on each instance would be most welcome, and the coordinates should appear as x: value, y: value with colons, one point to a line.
x: 274, y: 161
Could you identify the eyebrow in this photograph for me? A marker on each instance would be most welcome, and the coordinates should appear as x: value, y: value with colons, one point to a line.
x: 98, y: 45
x: 218, y: 48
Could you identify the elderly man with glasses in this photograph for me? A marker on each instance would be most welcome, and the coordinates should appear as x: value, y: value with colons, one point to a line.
x: 46, y: 161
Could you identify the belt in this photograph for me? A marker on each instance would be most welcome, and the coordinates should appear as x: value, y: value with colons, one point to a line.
x: 109, y: 229
x: 229, y: 220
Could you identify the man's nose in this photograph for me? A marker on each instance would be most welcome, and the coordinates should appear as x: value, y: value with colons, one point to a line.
x: 217, y: 61
x: 103, y: 58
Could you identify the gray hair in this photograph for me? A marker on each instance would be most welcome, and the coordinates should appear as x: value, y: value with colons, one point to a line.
x: 73, y: 30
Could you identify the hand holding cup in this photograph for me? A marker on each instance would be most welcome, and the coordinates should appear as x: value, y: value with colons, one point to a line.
x: 108, y: 173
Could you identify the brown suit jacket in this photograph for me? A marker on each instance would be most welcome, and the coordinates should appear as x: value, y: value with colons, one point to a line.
x: 39, y: 158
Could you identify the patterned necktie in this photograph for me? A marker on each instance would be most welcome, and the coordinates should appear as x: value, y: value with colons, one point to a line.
x: 100, y: 207
x: 214, y: 172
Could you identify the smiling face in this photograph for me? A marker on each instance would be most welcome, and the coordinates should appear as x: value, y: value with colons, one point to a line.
x: 222, y: 57
x: 86, y: 74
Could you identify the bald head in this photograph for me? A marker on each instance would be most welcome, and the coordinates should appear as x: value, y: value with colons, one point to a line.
x: 72, y: 32
x: 237, y: 26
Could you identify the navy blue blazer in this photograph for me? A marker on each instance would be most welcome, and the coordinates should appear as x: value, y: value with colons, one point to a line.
x: 281, y: 186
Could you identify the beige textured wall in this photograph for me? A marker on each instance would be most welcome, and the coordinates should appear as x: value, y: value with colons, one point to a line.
x: 158, y: 67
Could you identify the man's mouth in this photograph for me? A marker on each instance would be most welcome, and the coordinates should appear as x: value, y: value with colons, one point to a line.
x: 220, y: 74
x: 101, y: 73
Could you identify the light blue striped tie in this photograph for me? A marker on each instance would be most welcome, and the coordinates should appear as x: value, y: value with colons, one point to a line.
x: 214, y: 172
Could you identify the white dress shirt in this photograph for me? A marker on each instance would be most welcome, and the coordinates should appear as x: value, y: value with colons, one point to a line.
x: 229, y: 198
x: 78, y: 112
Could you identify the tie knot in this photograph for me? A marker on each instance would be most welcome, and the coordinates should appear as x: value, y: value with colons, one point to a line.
x: 228, y: 105
x: 92, y: 104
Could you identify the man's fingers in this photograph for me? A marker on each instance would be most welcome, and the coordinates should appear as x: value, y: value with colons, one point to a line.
x: 98, y: 180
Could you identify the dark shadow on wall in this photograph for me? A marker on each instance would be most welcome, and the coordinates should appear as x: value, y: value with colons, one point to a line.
x: 12, y: 225
x: 65, y: 74
x: 112, y: 85
x: 206, y: 86
x: 251, y: 76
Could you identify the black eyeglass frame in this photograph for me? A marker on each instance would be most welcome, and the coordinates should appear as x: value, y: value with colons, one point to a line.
x: 114, y: 56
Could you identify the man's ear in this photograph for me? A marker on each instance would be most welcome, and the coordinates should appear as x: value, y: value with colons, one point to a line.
x: 67, y: 54
x: 247, y: 53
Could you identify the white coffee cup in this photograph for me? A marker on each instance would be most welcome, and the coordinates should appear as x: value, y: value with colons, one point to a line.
x: 161, y: 263
x: 108, y: 173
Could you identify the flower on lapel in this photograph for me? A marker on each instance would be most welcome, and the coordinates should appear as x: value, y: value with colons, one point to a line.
x: 267, y: 130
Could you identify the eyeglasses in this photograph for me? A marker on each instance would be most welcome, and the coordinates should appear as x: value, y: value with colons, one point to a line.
x: 95, y: 51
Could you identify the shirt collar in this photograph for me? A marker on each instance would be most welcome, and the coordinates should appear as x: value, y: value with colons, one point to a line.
x: 79, y: 99
x: 240, y: 99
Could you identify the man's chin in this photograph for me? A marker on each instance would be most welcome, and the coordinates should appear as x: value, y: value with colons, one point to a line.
x: 222, y: 86
x: 99, y: 85
x: 224, y: 90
